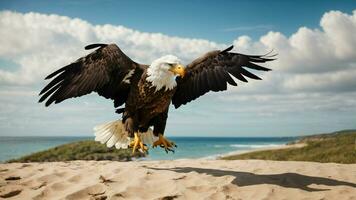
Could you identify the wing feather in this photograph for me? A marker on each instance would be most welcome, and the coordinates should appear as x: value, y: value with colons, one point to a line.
x: 221, y: 78
x: 237, y: 74
x: 249, y: 74
x: 213, y: 71
x: 101, y: 71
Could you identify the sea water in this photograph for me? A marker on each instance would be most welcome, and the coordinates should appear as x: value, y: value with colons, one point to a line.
x: 188, y: 147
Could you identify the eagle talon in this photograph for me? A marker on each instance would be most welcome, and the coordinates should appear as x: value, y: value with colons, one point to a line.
x: 137, y: 144
x: 164, y: 143
x: 169, y: 149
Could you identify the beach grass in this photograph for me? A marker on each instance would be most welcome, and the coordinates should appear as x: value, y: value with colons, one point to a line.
x: 337, y: 147
x: 82, y: 150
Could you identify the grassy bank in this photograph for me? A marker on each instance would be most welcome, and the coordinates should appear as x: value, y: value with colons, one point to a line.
x: 338, y: 147
x: 82, y: 150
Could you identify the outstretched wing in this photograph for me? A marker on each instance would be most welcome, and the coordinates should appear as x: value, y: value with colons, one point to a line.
x: 106, y: 71
x: 212, y: 71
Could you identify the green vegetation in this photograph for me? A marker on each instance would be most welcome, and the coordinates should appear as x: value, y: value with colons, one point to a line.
x: 338, y: 147
x: 83, y: 150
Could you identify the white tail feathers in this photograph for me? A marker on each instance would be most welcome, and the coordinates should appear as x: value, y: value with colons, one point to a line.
x: 113, y: 133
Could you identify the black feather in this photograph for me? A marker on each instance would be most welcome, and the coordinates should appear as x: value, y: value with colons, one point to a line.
x: 100, y: 71
x: 227, y: 49
x: 204, y: 80
x: 214, y: 71
x: 249, y: 74
x: 58, y: 79
x: 261, y: 60
x: 228, y: 78
x: 197, y: 84
x: 59, y: 71
x: 213, y: 82
x: 92, y: 46
x: 220, y: 76
x: 257, y: 67
x: 237, y: 74
x: 49, y: 92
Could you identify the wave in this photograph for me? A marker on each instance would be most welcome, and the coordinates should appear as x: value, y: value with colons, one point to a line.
x: 217, y: 156
x: 245, y: 148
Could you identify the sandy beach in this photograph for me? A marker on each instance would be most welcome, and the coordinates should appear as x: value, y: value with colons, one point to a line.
x: 178, y: 179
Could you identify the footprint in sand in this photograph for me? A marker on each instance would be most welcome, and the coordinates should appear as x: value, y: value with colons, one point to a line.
x: 10, y: 192
x: 12, y: 178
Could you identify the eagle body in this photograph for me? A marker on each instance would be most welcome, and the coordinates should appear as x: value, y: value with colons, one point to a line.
x: 146, y: 106
x: 143, y: 93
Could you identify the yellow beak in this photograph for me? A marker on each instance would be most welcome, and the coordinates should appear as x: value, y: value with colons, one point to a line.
x: 178, y: 69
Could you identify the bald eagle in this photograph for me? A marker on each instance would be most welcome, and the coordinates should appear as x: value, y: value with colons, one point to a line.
x: 146, y: 90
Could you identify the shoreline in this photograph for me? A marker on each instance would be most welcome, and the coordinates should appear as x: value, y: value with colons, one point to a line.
x: 217, y: 148
x: 230, y: 153
x: 282, y: 146
x: 217, y: 156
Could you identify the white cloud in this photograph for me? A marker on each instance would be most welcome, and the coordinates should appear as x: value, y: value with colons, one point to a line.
x: 340, y: 81
x: 43, y: 43
x: 312, y: 59
x: 298, y: 103
x: 311, y: 50
x: 40, y: 43
x: 315, y: 72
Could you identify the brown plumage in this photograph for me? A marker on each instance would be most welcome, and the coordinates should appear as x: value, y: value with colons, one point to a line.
x: 112, y: 74
x: 211, y: 73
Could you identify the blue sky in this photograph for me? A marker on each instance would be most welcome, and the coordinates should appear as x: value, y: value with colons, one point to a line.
x: 194, y: 19
x: 311, y: 89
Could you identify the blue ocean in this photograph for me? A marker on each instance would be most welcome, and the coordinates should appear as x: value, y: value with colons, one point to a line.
x: 188, y: 147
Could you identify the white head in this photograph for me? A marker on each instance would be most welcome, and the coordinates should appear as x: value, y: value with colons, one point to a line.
x: 163, y: 71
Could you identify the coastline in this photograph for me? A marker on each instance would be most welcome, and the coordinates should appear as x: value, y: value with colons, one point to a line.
x: 188, y: 147
x: 277, y: 147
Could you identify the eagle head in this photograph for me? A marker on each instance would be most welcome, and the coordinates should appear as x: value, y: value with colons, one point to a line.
x: 163, y: 71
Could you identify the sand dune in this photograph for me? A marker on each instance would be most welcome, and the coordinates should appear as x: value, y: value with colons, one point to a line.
x: 179, y: 179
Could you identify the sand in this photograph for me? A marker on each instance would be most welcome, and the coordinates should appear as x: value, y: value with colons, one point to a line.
x: 179, y: 179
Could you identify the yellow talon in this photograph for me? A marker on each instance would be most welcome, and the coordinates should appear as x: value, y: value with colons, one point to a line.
x: 164, y: 143
x: 137, y: 144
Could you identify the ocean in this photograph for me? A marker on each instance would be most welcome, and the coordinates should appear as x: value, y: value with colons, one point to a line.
x: 188, y: 147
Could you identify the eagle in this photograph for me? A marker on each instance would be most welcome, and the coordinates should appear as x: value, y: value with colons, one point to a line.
x: 145, y: 92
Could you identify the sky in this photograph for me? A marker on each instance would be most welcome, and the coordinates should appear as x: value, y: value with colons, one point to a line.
x: 312, y: 88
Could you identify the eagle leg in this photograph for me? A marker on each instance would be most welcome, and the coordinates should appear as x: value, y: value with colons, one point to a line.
x: 164, y: 143
x: 138, y: 144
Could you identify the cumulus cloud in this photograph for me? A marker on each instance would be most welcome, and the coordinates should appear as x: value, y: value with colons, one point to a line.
x: 340, y: 81
x: 40, y: 43
x: 315, y: 71
x: 312, y: 59
x: 317, y: 57
x: 331, y: 48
